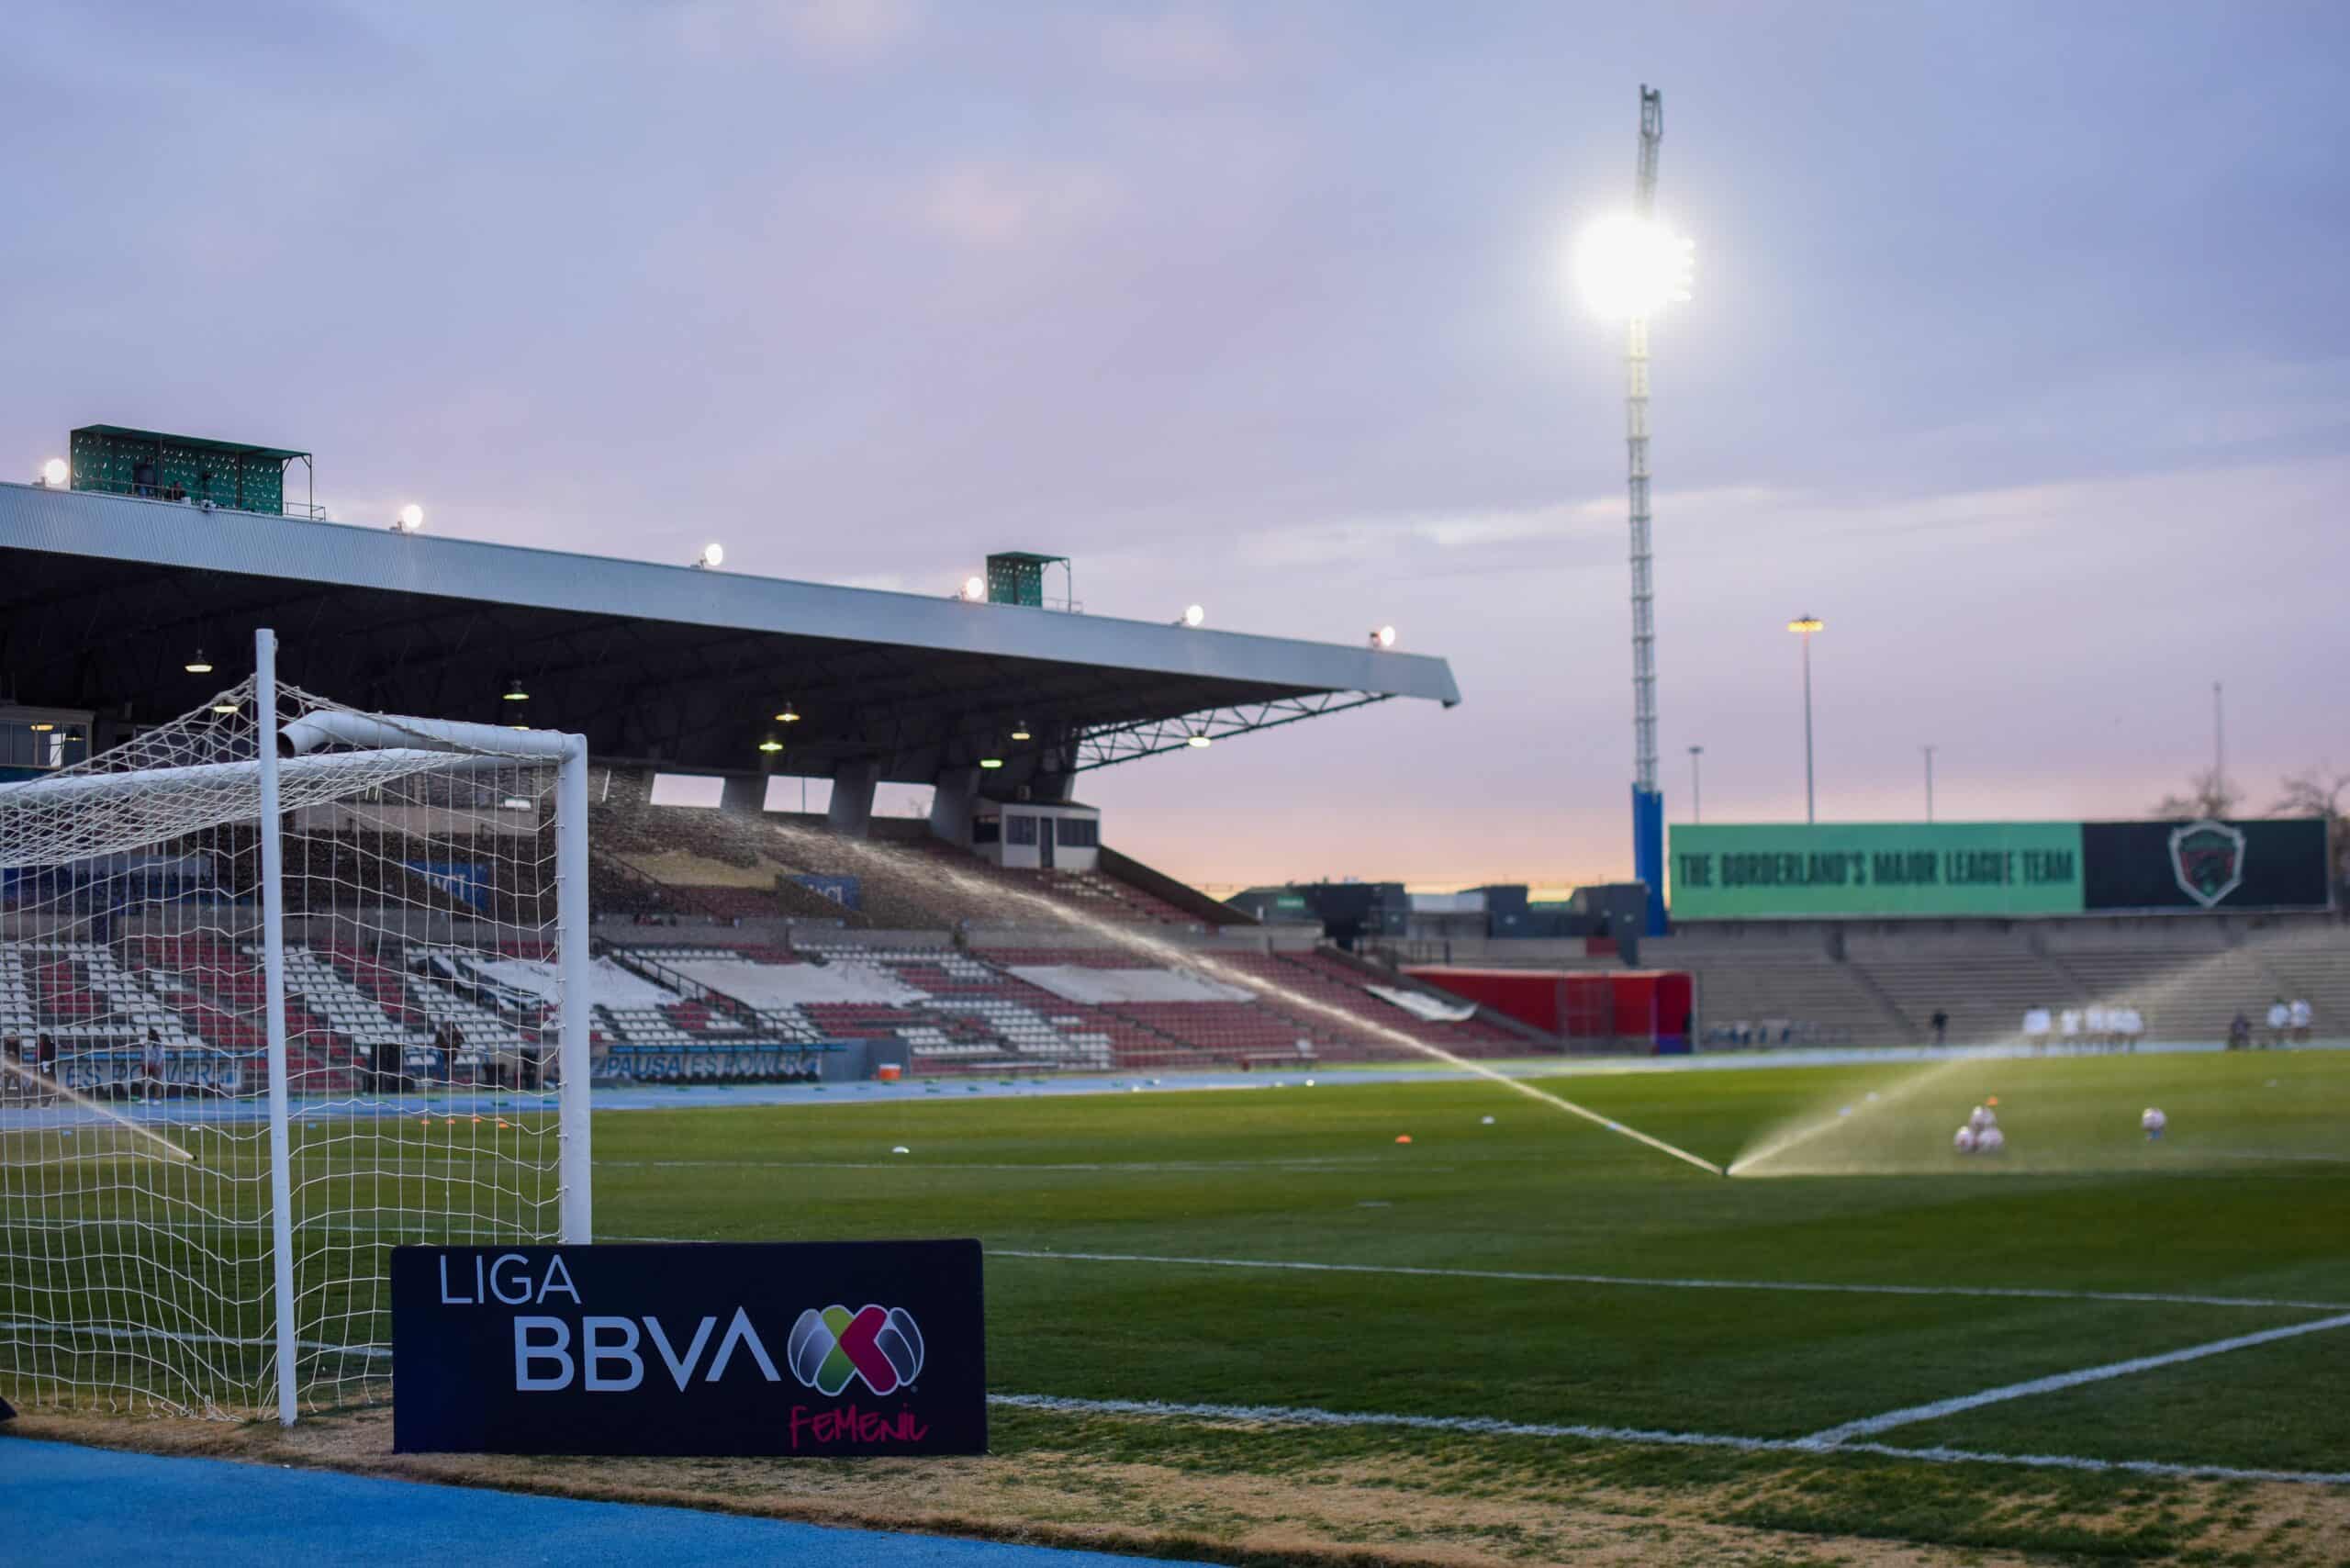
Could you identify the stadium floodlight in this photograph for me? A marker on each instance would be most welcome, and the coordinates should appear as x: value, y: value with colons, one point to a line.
x: 1382, y: 637
x: 712, y: 556
x: 1199, y: 741
x: 974, y: 589
x: 1193, y: 615
x: 990, y: 762
x: 54, y: 473
x: 411, y: 518
x: 1021, y: 732
x: 1629, y: 268
x: 770, y: 745
x: 224, y: 708
x: 789, y: 715
x: 514, y: 692
x: 40, y: 726
x: 198, y: 664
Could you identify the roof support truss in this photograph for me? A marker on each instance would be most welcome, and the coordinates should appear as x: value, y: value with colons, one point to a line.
x: 1107, y: 745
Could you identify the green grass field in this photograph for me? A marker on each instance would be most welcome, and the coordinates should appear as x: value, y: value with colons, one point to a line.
x: 2247, y: 1197
x: 1141, y: 1249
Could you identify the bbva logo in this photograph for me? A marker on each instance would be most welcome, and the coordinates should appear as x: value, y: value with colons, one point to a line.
x: 880, y: 1345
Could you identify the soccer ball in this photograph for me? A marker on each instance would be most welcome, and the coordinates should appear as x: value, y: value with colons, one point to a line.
x: 2153, y: 1121
x: 1989, y: 1140
x: 1963, y: 1140
x: 1983, y: 1116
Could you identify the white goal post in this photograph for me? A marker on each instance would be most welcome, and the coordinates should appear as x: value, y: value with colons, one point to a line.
x: 282, y: 985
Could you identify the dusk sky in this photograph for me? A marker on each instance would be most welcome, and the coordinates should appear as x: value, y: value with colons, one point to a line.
x: 2020, y: 353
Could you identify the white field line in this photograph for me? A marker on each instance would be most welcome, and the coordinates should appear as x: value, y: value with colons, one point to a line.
x: 1303, y: 1163
x: 2013, y: 1293
x: 1871, y: 1426
x: 2263, y: 1154
x: 1483, y: 1425
x: 1486, y: 1426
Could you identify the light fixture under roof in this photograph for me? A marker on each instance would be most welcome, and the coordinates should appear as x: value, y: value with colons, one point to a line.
x: 514, y: 692
x: 1199, y: 741
x: 41, y: 727
x: 770, y: 745
x: 224, y: 708
x: 1021, y: 732
x: 790, y: 715
x: 990, y: 762
x: 198, y: 664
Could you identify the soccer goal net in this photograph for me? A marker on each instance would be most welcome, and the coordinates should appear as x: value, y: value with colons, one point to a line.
x: 268, y: 1009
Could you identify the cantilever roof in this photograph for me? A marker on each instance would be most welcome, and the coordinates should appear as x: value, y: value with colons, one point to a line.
x: 241, y: 449
x: 117, y: 584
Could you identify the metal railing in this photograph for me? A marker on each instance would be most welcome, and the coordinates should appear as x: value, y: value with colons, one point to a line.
x: 183, y: 496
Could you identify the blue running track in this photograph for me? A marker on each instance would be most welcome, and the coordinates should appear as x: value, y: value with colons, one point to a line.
x: 62, y: 1505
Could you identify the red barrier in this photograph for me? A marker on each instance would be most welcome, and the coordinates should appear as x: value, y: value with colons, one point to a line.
x: 1650, y: 1006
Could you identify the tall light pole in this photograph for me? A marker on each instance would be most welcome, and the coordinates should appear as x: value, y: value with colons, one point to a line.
x: 1696, y: 805
x: 2219, y: 746
x: 1930, y: 783
x: 1804, y: 626
x: 1630, y: 267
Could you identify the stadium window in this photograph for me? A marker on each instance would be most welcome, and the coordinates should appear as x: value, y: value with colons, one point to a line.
x: 35, y: 743
x: 808, y: 796
x: 900, y: 801
x: 1078, y: 833
x: 1020, y: 830
x: 987, y: 830
x: 702, y: 790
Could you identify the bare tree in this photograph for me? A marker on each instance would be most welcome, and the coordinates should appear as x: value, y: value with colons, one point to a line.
x: 2208, y: 794
x: 2313, y: 792
x: 2318, y: 792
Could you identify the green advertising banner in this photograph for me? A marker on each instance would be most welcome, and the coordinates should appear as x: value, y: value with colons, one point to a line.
x: 1799, y: 872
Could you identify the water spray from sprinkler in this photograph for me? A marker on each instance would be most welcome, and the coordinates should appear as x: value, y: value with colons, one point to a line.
x: 1201, y: 963
x: 50, y: 1086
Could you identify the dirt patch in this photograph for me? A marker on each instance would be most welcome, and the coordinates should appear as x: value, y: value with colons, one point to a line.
x: 1213, y: 1493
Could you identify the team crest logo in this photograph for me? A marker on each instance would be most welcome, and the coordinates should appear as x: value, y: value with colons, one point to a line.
x: 2208, y: 859
x: 880, y: 1345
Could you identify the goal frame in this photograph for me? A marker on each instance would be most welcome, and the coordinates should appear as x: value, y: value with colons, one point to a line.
x: 292, y: 751
x: 496, y: 746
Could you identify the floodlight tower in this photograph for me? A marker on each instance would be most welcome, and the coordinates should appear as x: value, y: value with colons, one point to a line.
x: 1648, y: 796
x: 1630, y: 267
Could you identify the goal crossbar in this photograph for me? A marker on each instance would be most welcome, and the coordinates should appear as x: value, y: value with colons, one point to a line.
x: 390, y: 732
x: 227, y: 777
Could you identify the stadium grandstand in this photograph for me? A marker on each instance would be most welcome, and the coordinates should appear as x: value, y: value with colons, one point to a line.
x: 738, y: 941
x: 732, y: 941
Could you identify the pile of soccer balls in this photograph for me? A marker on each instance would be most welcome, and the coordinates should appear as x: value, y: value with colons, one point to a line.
x: 1980, y: 1133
